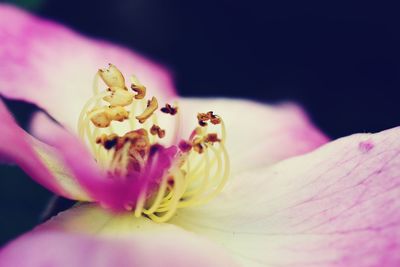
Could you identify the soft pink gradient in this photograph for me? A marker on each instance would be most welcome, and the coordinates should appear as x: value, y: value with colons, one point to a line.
x: 92, y: 241
x: 338, y: 206
x: 116, y: 193
x: 285, y: 204
x: 49, y: 65
x: 257, y: 134
x: 39, y: 68
x: 15, y: 147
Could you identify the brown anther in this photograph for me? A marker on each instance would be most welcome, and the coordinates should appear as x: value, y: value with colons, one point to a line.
x: 102, y: 117
x: 138, y: 145
x: 168, y: 109
x: 119, y: 97
x: 184, y: 146
x: 202, y: 123
x: 197, y: 145
x: 198, y: 148
x: 140, y: 91
x: 214, y: 119
x: 202, y: 118
x: 112, y: 77
x: 107, y: 141
x: 156, y: 130
x: 138, y: 139
x: 152, y: 106
x: 138, y: 87
x: 212, y: 138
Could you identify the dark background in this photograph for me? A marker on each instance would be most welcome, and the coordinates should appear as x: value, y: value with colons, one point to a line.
x: 339, y: 60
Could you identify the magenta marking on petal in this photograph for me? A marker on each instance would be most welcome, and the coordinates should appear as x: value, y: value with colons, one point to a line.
x: 338, y: 206
x: 366, y: 146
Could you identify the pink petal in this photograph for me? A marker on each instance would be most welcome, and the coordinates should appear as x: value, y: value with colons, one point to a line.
x: 16, y: 147
x: 257, y: 134
x: 337, y: 206
x: 89, y: 236
x: 115, y: 193
x: 47, y: 64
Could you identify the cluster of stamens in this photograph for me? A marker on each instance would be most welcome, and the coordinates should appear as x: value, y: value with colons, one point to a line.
x: 200, y: 167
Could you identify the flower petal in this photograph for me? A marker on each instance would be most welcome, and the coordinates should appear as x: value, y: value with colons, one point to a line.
x: 116, y: 194
x: 49, y: 65
x: 337, y: 206
x: 89, y: 236
x: 257, y: 134
x: 16, y: 146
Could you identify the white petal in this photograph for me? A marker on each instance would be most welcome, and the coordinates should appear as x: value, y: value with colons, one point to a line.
x: 337, y: 206
x: 257, y: 134
x: 88, y: 236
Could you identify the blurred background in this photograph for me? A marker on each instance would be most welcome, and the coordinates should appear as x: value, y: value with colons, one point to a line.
x: 340, y: 61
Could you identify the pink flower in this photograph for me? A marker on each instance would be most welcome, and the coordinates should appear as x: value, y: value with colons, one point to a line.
x: 291, y: 199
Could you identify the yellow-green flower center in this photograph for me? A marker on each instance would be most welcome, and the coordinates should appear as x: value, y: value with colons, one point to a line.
x: 121, y: 128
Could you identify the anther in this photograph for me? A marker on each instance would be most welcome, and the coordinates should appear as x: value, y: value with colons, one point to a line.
x: 156, y: 130
x: 184, y: 184
x: 184, y: 146
x: 168, y: 109
x: 198, y: 145
x: 138, y: 138
x: 151, y: 107
x: 212, y: 138
x: 202, y: 118
x: 139, y: 88
x: 119, y: 97
x: 107, y: 141
x: 214, y: 119
x: 209, y: 116
x: 112, y: 77
x: 102, y: 117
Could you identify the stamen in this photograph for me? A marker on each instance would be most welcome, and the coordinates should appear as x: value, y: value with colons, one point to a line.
x: 119, y: 98
x: 168, y: 109
x: 199, y: 168
x: 102, y: 117
x: 156, y: 130
x: 138, y: 88
x: 151, y: 107
x: 112, y: 77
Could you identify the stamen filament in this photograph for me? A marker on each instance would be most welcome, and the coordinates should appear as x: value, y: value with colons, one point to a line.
x: 199, y: 170
x: 159, y: 196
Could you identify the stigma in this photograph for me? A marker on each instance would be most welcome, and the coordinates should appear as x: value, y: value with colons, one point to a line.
x: 120, y: 126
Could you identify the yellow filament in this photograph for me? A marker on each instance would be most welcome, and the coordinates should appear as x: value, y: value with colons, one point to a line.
x: 82, y: 124
x: 196, y: 178
x: 206, y: 173
x: 159, y: 196
x: 168, y: 213
x: 187, y: 190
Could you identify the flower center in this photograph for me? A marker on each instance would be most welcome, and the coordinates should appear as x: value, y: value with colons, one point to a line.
x: 121, y: 128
